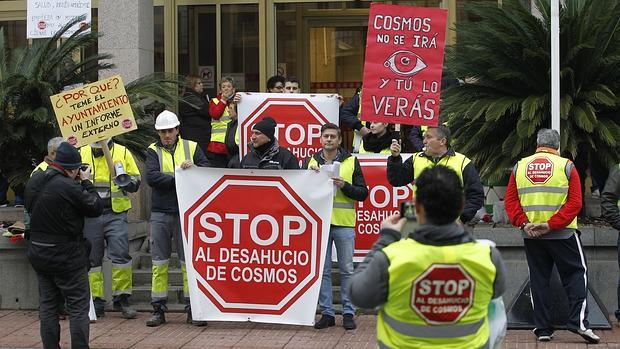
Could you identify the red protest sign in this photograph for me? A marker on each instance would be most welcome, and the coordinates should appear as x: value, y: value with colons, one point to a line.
x: 443, y: 294
x: 269, y: 243
x: 383, y: 200
x: 539, y: 170
x: 404, y: 59
x: 299, y: 119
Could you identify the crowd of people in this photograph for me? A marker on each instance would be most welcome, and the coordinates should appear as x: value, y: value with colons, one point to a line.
x: 78, y: 209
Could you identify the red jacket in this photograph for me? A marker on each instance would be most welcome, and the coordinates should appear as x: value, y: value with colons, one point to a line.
x: 560, y: 219
x: 216, y: 111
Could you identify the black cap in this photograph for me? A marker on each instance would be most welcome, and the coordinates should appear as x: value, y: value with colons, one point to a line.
x: 68, y: 157
x: 266, y: 126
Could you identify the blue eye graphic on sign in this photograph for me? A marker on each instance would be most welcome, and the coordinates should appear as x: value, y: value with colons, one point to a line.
x: 404, y: 63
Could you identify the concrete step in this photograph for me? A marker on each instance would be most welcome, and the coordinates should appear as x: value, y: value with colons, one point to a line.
x: 145, y: 261
x: 142, y: 294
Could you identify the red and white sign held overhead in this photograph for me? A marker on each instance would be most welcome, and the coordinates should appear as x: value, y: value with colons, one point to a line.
x: 299, y: 119
x: 539, y: 170
x: 443, y: 294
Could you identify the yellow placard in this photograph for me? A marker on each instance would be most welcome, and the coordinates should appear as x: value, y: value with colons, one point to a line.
x: 94, y: 112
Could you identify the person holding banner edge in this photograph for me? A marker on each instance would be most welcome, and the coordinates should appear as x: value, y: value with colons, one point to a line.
x: 397, y: 273
x: 437, y: 151
x: 379, y: 139
x: 162, y: 159
x: 111, y: 229
x: 350, y: 187
x: 265, y: 152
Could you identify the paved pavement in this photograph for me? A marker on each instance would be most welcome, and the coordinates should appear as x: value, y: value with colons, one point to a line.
x: 20, y: 329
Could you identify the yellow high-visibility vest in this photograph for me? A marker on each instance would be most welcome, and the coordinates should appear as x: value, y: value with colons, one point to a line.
x: 456, y: 162
x: 183, y: 151
x: 102, y: 180
x: 400, y: 326
x: 343, y: 209
x: 541, y: 201
x: 218, y: 127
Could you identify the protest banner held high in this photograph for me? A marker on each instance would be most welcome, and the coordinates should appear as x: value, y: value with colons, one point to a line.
x: 403, y: 66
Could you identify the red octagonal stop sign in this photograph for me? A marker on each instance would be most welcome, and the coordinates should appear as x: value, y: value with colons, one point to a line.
x: 256, y: 244
x: 442, y: 294
x: 299, y: 125
x: 539, y: 170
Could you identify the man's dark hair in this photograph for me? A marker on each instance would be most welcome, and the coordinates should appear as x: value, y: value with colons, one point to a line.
x: 271, y: 82
x: 331, y: 126
x: 292, y: 79
x: 440, y: 192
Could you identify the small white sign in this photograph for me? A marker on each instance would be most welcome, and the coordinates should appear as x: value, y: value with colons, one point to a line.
x: 207, y: 73
x: 46, y: 18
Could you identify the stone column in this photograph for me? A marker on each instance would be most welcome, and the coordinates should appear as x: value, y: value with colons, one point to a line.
x: 127, y: 28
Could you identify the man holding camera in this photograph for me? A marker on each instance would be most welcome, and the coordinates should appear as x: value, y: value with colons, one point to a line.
x: 58, y: 199
x: 434, y: 286
x: 110, y: 229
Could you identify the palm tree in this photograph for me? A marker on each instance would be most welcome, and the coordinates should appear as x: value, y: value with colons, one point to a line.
x: 505, y: 60
x: 30, y: 75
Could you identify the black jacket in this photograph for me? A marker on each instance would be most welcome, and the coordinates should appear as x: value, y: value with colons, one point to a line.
x: 274, y: 158
x: 348, y: 113
x: 610, y: 197
x: 400, y: 174
x: 164, y: 196
x: 57, y: 206
x: 357, y: 190
x: 195, y: 119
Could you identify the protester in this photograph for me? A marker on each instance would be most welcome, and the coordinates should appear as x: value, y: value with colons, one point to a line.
x: 275, y: 84
x: 194, y: 114
x: 219, y: 109
x: 351, y: 187
x: 543, y: 198
x: 58, y: 199
x: 111, y: 229
x: 416, y: 137
x: 438, y: 152
x: 387, y: 276
x: 379, y: 139
x: 610, y: 206
x: 52, y: 147
x: 351, y: 115
x: 291, y: 85
x: 265, y: 152
x: 162, y: 159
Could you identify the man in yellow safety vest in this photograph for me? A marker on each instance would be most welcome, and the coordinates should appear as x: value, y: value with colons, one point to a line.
x: 433, y: 287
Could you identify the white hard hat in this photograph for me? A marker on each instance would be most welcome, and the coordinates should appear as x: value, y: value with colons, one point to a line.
x: 166, y: 120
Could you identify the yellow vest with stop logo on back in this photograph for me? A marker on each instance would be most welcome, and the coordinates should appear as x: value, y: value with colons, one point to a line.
x: 402, y: 322
x: 218, y: 127
x: 540, y: 201
x: 343, y: 211
x: 102, y: 180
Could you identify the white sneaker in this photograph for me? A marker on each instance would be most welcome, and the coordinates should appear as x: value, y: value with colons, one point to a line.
x: 588, y: 335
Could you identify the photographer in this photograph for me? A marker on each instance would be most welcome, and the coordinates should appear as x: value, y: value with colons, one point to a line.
x: 58, y: 199
x: 397, y: 275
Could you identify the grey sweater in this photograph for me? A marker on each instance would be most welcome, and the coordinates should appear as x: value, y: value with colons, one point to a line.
x: 369, y: 285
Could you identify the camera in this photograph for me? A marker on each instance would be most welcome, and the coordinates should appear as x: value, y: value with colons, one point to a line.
x: 407, y: 210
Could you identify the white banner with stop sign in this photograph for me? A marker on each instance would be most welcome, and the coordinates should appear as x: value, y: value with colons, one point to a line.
x: 254, y: 242
x: 299, y: 118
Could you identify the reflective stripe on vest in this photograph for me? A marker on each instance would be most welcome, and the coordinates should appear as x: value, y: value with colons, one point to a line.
x: 168, y: 162
x: 456, y: 162
x: 218, y: 127
x: 343, y: 209
x: 400, y: 326
x: 540, y: 201
x: 103, y: 182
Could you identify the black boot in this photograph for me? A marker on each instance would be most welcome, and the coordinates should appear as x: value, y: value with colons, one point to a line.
x: 189, y: 319
x: 158, y: 317
x: 121, y: 303
x: 99, y: 306
x: 325, y: 322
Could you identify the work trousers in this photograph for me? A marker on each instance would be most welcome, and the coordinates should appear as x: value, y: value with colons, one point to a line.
x: 110, y: 229
x: 165, y: 227
x: 70, y: 287
x: 570, y: 260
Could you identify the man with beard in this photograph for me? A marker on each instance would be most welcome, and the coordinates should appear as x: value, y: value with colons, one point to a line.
x: 265, y: 152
